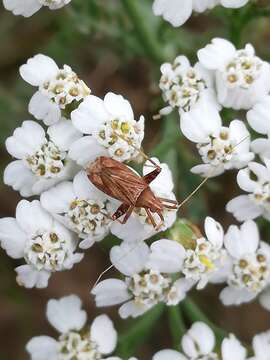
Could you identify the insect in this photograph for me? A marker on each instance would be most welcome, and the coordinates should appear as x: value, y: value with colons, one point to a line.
x: 120, y: 182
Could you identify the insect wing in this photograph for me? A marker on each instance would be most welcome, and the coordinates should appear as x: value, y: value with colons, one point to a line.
x: 122, y: 184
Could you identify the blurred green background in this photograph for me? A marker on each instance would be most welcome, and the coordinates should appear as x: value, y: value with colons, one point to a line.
x: 118, y: 45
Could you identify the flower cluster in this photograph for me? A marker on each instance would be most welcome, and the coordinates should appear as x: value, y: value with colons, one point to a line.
x: 178, y: 12
x: 58, y: 160
x: 76, y: 339
x: 28, y: 8
x: 199, y: 343
x: 53, y: 161
x: 223, y: 77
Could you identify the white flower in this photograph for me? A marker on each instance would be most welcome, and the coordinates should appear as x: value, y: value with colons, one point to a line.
x: 231, y: 348
x: 29, y: 7
x: 77, y: 340
x: 221, y: 148
x: 255, y: 179
x: 138, y: 226
x: 42, y: 160
x: 204, y: 260
x: 190, y: 89
x: 58, y: 89
x: 199, y: 343
x: 259, y: 117
x: 81, y: 207
x: 250, y: 267
x: 148, y: 279
x: 261, y: 346
x: 178, y: 12
x: 45, y: 244
x: 242, y: 78
x: 110, y: 128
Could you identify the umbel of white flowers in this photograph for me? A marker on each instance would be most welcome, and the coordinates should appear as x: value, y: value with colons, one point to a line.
x: 199, y: 343
x: 76, y: 339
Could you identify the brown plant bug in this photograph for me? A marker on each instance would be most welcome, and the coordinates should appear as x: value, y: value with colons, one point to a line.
x: 119, y: 182
x: 94, y: 172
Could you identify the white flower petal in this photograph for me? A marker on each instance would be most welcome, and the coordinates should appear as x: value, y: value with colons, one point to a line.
x: 233, y: 3
x: 63, y: 134
x: 232, y: 348
x: 168, y: 354
x: 261, y: 146
x: 243, y: 208
x: 57, y: 199
x: 42, y: 348
x: 26, y: 140
x: 259, y: 116
x: 232, y: 296
x: 25, y: 8
x: 66, y: 314
x: 199, y: 340
x: 245, y: 180
x: 173, y: 11
x: 214, y: 232
x: 164, y: 180
x: 166, y: 256
x: 86, y: 150
x: 133, y: 230
x: 30, y: 277
x: 42, y: 108
x: 130, y: 258
x: 242, y: 241
x: 130, y: 308
x: 117, y: 106
x: 264, y: 298
x: 110, y: 292
x: 31, y: 217
x: 216, y: 54
x: 12, y: 238
x: 38, y: 69
x: 103, y: 334
x: 19, y: 178
x: 194, y: 126
x: 90, y: 115
x: 261, y: 346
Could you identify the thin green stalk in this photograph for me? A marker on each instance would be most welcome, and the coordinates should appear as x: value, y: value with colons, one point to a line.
x: 139, y: 332
x: 262, y: 12
x: 177, y: 325
x: 194, y: 313
x: 143, y: 31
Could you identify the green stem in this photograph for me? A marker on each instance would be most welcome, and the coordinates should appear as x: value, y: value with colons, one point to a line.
x: 194, y: 313
x: 262, y: 12
x: 237, y: 21
x: 139, y: 332
x: 143, y: 31
x: 177, y: 325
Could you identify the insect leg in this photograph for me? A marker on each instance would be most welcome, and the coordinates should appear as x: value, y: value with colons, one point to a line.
x: 169, y: 204
x: 150, y: 217
x: 128, y: 213
x: 123, y: 208
x: 152, y: 175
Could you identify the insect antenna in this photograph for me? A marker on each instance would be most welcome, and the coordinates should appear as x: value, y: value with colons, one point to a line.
x: 179, y: 206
